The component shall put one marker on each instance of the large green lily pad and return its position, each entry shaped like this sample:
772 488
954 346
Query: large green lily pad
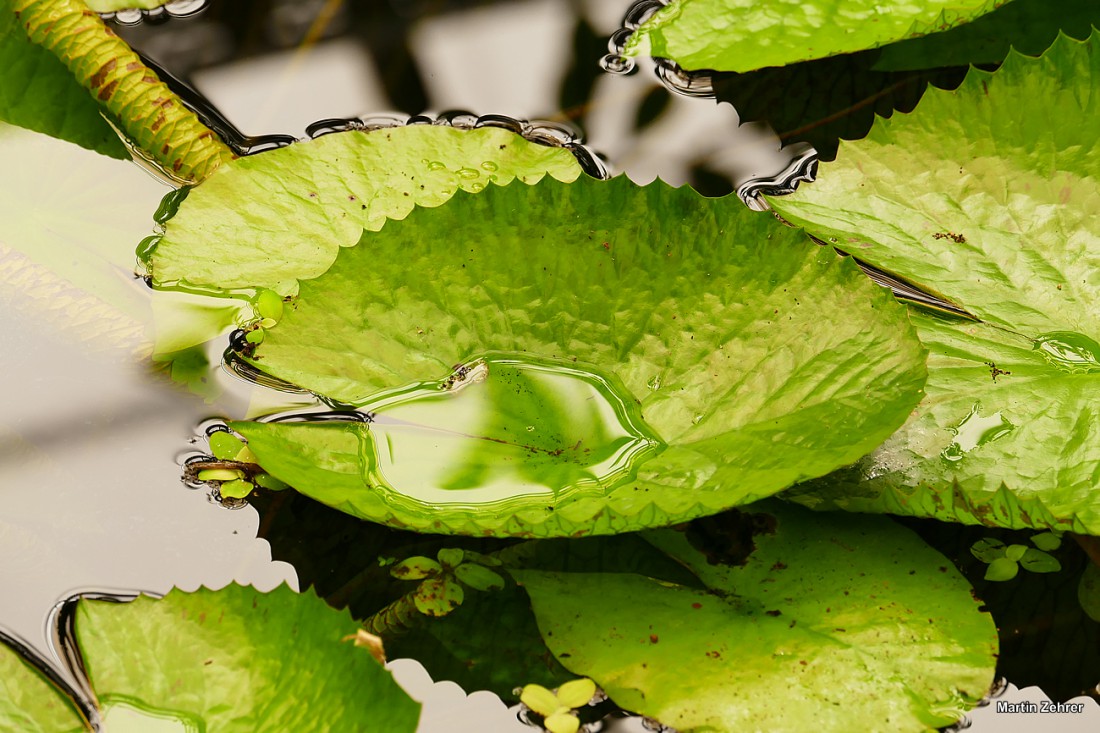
740 35
1029 26
266 220
39 93
229 660
987 196
830 622
824 100
239 660
705 343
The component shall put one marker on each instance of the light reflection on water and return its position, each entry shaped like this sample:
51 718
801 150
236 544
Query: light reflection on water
89 496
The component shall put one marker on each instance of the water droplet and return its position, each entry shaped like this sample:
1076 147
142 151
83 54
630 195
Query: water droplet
686 83
696 420
655 382
128 16
614 63
477 187
802 168
185 8
490 166
504 428
435 165
1069 351
640 12
975 431
468 173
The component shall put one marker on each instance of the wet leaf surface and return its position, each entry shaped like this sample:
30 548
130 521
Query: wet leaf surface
265 220
987 197
606 273
734 35
855 618
239 660
28 702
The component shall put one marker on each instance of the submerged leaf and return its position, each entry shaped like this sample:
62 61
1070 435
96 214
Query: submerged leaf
618 369
854 617
239 660
265 220
986 196
736 35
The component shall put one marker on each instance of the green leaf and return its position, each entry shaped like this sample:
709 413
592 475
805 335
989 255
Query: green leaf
415 568
656 314
450 557
144 108
438 596
237 489
1028 26
1015 552
853 616
988 549
1002 569
478 577
1047 541
562 722
540 699
29 703
111 6
224 445
735 35
1037 561
39 93
239 660
266 220
576 693
985 196
824 100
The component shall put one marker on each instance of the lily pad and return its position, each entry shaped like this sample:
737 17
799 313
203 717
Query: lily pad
39 93
1029 26
618 369
736 35
986 196
265 220
854 618
30 703
238 660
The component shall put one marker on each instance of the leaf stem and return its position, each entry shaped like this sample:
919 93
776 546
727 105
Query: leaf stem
149 116
396 619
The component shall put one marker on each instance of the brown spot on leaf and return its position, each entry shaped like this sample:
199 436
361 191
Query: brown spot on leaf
653 639
956 238
106 92
100 76
994 371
